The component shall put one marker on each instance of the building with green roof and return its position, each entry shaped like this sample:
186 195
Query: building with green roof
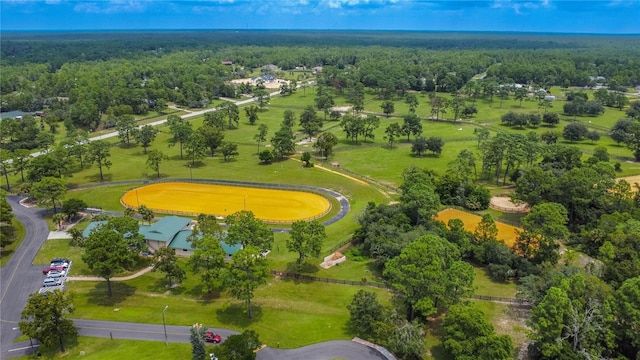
171 231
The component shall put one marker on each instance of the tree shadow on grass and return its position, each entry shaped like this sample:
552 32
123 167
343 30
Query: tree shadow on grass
95 178
100 293
305 268
53 352
236 315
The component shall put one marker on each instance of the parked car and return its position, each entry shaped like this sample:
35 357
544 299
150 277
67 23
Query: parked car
212 337
60 262
56 274
52 282
52 268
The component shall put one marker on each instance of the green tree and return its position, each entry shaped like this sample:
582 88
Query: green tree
49 192
419 146
20 162
263 98
543 226
252 113
6 166
392 132
261 135
99 153
208 256
145 136
407 340
429 275
353 127
166 261
412 100
366 313
283 142
434 144
245 229
486 229
229 150
7 230
196 147
180 131
154 159
325 143
45 318
310 122
71 207
247 271
212 136
198 347
411 126
575 131
550 119
58 219
240 347
625 305
467 335
419 199
266 156
306 159
145 213
306 239
125 125
107 253
388 107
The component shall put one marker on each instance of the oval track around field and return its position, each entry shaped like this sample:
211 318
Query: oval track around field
270 205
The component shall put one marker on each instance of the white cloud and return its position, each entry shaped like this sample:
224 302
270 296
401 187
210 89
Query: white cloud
112 6
624 3
517 6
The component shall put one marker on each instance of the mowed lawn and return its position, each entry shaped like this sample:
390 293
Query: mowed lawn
506 233
269 205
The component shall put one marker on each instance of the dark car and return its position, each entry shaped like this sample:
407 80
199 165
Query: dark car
212 337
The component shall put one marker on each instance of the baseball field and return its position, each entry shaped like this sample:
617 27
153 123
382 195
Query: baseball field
270 205
506 233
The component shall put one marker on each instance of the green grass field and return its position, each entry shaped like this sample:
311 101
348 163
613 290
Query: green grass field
289 312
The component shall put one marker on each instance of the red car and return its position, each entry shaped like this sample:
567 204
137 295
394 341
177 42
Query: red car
212 337
52 268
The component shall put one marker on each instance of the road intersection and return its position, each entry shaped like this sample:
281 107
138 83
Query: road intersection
19 278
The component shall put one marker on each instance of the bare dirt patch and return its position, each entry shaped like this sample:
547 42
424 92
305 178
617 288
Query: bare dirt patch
504 204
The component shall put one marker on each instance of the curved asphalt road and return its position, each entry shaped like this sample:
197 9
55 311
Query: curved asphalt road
19 278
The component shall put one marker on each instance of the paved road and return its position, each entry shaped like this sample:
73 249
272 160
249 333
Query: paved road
19 278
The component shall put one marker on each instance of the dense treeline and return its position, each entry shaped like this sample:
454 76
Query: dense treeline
58 48
578 312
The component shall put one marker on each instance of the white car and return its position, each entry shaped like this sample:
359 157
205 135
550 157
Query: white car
52 282
56 274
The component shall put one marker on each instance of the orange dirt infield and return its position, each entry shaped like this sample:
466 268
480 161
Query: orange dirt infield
269 205
506 233
632 180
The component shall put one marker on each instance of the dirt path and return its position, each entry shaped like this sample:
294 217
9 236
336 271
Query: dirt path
123 278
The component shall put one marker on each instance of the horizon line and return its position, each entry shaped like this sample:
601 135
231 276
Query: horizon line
319 29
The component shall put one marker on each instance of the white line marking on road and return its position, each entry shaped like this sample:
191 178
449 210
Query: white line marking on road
23 348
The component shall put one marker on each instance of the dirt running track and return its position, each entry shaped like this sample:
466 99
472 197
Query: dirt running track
270 205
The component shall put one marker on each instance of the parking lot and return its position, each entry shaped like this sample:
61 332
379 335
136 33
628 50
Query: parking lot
55 275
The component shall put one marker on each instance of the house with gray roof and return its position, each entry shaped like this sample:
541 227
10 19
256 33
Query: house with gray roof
171 231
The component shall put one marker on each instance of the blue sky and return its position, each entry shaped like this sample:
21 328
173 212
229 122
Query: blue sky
607 16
